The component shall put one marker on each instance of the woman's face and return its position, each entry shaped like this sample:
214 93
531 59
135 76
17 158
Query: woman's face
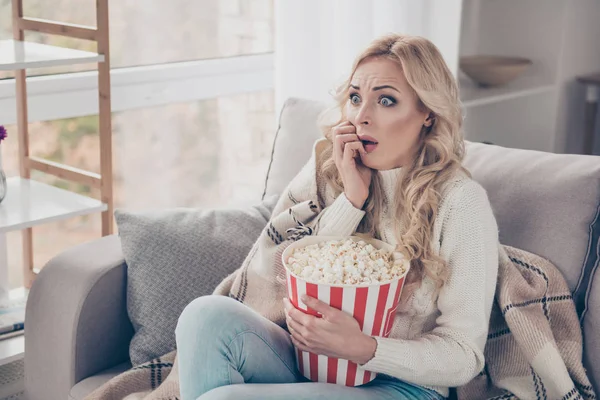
381 104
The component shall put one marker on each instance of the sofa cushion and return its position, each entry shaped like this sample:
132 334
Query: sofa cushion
176 255
545 202
293 142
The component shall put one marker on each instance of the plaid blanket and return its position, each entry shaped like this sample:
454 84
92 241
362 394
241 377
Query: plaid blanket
534 348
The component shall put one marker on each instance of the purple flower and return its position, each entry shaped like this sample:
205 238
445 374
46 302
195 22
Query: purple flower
3 133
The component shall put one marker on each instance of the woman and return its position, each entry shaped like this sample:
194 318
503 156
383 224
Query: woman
390 168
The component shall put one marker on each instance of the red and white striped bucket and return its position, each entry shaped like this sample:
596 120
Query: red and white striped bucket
373 306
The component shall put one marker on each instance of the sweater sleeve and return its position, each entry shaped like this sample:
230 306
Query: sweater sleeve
340 218
453 352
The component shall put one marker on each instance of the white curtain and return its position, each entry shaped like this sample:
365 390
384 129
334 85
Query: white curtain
317 40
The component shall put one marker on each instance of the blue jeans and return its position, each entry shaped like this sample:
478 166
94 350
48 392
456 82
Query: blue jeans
226 350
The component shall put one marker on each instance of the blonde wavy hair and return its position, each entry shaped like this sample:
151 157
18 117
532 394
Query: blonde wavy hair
438 159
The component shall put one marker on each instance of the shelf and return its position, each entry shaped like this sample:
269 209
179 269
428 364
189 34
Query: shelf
15 55
29 203
13 348
19 295
472 95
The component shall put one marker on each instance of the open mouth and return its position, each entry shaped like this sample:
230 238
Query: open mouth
369 145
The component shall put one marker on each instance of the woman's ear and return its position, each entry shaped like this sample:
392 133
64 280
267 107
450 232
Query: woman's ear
429 121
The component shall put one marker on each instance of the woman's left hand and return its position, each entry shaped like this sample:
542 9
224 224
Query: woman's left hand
336 334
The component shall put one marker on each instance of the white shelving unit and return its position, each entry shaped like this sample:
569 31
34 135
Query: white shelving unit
16 54
543 108
33 203
28 202
472 95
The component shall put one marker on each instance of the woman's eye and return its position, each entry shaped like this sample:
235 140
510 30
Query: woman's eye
354 98
387 101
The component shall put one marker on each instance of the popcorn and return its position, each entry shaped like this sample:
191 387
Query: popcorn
346 262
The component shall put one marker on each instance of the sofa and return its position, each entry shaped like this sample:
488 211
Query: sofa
78 328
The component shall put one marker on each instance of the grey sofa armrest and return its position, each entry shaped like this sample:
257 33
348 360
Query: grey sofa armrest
76 319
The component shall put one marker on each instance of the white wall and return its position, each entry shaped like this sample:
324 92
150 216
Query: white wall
317 40
581 55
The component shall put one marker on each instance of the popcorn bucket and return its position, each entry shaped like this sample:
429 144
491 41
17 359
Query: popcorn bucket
372 305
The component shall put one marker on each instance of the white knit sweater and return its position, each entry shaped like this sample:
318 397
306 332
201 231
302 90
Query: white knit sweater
436 343
439 343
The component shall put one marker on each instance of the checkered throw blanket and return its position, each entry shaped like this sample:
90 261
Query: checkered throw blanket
534 347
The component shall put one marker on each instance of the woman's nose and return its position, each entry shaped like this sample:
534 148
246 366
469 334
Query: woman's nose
363 116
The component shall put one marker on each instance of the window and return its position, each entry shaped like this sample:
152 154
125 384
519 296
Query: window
193 109
152 32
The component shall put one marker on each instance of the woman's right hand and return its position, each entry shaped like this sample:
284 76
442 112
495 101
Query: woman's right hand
347 152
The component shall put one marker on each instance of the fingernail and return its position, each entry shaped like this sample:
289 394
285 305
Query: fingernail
304 297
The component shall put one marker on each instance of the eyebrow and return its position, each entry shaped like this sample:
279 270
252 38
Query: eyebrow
378 87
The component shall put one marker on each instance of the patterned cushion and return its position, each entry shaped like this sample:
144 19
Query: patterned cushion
174 256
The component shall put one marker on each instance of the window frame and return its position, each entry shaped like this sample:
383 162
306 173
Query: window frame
73 95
